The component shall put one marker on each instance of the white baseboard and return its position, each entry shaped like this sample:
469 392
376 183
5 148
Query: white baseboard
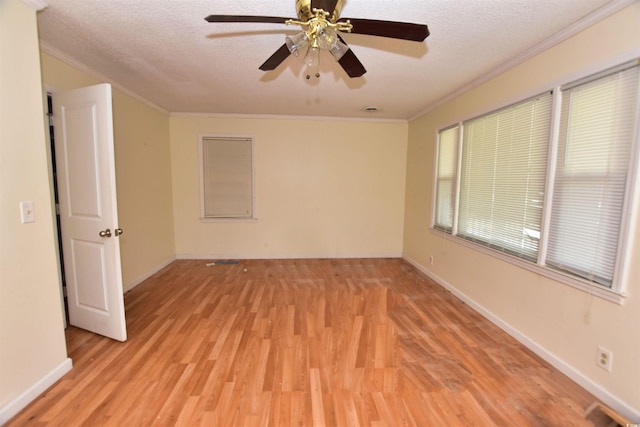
578 377
148 274
19 403
288 256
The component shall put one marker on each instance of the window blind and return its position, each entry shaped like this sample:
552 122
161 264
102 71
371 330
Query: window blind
227 177
446 178
596 132
503 175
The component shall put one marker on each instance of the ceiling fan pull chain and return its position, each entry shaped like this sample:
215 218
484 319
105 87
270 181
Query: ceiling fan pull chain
316 74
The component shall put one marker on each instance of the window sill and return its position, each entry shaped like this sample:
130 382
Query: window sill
611 295
228 220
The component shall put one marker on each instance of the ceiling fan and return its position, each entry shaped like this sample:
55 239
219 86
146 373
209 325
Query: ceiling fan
321 27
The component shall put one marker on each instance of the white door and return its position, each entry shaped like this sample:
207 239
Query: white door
83 133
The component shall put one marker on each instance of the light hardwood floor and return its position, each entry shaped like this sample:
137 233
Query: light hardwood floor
354 342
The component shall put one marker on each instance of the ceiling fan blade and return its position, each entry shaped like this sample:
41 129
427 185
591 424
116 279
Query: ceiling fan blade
392 29
351 64
246 18
276 59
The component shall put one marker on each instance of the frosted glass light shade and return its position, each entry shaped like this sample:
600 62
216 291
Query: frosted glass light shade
328 40
312 58
338 50
297 43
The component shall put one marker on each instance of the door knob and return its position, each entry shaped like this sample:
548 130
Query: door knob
118 231
105 233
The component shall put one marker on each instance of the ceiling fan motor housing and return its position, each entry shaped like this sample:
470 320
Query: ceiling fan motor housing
305 11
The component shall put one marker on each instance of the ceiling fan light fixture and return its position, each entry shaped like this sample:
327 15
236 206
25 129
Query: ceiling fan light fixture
322 26
338 50
327 37
312 57
328 40
297 43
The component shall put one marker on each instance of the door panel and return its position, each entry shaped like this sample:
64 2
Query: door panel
89 260
83 127
82 151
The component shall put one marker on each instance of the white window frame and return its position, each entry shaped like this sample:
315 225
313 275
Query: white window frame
226 137
454 180
508 241
617 292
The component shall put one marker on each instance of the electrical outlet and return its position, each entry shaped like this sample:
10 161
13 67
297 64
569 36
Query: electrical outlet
431 260
604 359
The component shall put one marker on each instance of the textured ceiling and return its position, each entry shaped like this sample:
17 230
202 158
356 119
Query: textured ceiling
166 53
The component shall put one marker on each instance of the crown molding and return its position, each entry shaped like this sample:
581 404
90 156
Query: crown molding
284 117
47 48
581 25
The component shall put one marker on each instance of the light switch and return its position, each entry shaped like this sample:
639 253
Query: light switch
26 212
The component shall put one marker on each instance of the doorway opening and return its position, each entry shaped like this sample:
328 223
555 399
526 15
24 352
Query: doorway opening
57 208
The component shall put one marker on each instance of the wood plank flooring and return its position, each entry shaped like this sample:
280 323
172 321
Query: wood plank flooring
353 342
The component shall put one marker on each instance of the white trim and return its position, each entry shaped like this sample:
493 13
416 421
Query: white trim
239 137
436 170
502 104
30 394
46 92
434 185
619 285
245 256
227 220
628 226
104 79
606 72
456 204
36 5
581 25
611 295
578 377
135 282
284 117
549 180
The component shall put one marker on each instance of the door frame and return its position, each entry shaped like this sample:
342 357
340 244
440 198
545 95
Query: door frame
48 113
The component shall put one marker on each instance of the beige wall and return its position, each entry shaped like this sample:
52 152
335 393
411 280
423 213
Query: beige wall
324 188
339 197
143 173
563 323
32 343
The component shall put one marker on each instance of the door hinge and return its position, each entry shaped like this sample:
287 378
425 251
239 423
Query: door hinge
50 118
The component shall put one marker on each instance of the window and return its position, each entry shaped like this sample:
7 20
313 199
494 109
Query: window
226 165
502 177
596 131
568 219
446 178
